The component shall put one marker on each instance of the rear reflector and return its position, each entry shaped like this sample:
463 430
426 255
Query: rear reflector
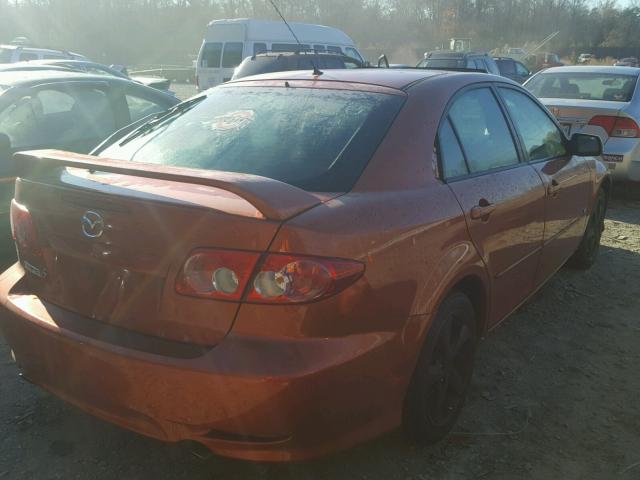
25 235
279 279
617 126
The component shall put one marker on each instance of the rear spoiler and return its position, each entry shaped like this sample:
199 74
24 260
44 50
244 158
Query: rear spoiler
274 199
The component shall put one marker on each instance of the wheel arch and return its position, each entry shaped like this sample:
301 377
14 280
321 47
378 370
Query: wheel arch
475 289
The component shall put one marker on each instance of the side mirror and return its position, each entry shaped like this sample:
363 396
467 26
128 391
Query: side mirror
583 145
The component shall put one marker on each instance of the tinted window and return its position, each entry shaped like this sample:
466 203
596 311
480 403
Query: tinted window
521 69
586 86
507 67
259 48
353 53
319 48
483 132
445 63
141 107
288 47
232 55
540 136
25 56
51 117
211 54
316 139
451 157
335 49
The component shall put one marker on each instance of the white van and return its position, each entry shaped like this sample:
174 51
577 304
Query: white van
228 42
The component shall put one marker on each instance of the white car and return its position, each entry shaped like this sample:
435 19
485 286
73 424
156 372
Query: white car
19 53
603 101
228 42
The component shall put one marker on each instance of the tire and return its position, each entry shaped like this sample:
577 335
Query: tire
442 376
587 253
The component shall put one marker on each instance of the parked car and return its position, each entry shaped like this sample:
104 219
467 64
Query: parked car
462 60
586 57
541 60
512 69
88 67
19 53
256 269
228 42
71 111
287 61
627 62
600 100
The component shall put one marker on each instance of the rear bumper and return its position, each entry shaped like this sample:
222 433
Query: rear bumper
628 149
249 398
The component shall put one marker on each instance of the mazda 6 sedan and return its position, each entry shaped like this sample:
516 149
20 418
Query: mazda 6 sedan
288 265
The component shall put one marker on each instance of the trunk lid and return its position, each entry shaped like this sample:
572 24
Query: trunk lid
574 114
114 243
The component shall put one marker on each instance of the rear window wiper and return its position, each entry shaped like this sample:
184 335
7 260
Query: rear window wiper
160 118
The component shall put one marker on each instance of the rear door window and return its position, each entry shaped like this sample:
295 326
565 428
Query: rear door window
451 156
232 54
320 48
331 48
74 118
211 55
140 107
483 132
541 137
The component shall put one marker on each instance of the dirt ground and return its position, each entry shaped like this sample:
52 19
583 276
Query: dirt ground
554 396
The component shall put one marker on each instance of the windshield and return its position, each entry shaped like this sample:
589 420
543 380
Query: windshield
315 139
442 63
584 86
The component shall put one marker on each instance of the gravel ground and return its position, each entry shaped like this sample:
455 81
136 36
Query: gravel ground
554 395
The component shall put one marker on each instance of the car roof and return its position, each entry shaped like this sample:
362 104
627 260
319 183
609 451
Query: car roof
395 78
453 54
27 78
594 69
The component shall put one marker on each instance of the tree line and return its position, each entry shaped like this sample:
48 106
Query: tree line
170 31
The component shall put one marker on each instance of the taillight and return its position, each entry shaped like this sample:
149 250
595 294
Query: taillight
221 274
24 231
617 126
279 279
296 279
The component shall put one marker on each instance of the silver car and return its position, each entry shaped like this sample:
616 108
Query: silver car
603 101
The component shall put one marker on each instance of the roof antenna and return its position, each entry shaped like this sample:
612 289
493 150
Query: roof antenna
316 71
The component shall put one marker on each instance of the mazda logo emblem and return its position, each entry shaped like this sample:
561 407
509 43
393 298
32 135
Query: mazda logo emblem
92 224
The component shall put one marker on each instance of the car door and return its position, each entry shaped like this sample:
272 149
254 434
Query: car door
501 196
567 179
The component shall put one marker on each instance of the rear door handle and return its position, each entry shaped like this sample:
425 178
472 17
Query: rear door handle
482 211
554 187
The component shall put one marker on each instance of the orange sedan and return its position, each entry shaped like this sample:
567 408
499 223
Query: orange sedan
287 265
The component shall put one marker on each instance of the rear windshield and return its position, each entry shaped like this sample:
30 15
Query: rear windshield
506 66
315 139
443 63
585 86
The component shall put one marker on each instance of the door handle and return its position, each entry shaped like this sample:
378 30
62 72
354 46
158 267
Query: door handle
482 210
554 187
